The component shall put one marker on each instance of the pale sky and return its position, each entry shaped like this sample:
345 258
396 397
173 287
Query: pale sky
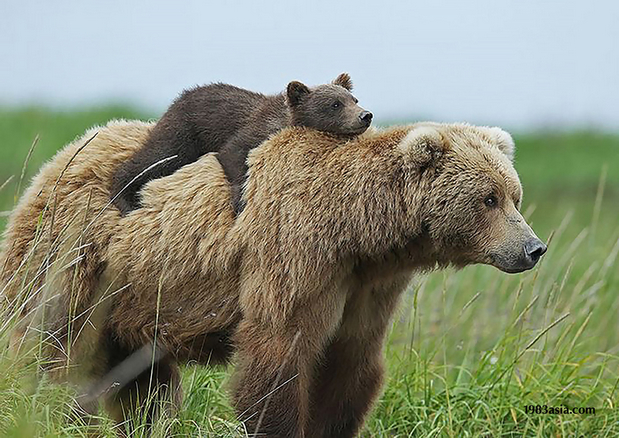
519 64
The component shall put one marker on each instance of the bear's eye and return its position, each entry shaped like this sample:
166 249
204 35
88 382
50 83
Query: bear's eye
491 201
336 104
355 100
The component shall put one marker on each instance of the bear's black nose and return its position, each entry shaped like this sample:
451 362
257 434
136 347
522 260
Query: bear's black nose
366 117
535 249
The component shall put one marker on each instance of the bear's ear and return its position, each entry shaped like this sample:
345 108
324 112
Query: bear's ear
343 80
422 147
503 141
296 92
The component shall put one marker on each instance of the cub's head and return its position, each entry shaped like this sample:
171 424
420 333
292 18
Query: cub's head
473 198
329 108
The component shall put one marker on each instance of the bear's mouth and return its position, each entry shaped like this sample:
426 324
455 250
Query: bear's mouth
514 270
350 134
512 266
359 130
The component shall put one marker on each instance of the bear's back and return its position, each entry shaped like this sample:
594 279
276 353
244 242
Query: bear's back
79 174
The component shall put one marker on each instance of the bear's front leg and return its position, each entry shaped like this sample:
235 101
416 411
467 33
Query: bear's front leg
346 384
272 380
349 378
276 362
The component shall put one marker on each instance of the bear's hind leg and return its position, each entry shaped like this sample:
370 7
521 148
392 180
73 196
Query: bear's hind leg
141 387
155 394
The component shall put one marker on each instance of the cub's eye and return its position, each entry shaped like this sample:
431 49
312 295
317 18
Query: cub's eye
355 100
491 201
336 104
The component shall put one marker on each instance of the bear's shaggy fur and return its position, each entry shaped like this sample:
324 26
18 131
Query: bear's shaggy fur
232 121
302 285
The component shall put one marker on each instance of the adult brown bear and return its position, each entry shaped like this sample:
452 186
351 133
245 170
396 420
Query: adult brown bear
301 285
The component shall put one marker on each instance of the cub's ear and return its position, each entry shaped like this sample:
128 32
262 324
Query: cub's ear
422 147
503 141
296 92
343 80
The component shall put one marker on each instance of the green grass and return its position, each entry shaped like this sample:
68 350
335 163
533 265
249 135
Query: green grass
468 349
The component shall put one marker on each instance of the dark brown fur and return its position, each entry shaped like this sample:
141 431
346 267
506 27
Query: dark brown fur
232 121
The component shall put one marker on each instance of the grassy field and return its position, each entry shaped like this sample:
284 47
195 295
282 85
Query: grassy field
468 351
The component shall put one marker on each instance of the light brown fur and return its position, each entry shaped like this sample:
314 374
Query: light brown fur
51 259
306 279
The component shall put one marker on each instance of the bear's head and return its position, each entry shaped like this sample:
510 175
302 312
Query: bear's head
471 208
329 108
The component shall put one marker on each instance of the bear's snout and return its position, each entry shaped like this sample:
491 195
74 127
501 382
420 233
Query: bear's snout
366 117
520 249
520 258
534 249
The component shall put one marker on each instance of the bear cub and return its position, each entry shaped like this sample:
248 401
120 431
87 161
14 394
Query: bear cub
231 121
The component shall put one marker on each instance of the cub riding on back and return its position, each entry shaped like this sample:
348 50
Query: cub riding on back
231 121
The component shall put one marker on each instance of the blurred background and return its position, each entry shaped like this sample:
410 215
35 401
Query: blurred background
546 71
520 64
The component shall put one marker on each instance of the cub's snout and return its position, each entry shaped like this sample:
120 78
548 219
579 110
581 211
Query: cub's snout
366 117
